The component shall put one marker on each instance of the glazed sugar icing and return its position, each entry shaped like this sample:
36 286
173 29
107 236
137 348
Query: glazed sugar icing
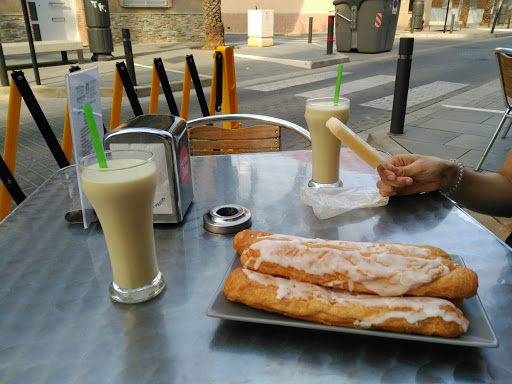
382 268
412 309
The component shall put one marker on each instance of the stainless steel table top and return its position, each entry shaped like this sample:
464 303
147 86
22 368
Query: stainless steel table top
58 324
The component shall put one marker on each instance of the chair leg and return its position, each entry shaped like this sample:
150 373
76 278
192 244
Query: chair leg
507 128
493 139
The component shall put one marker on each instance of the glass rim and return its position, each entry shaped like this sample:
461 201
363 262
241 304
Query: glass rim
93 155
313 100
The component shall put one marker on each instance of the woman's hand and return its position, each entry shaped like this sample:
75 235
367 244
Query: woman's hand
410 174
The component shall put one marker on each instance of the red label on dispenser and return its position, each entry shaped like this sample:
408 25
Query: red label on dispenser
184 166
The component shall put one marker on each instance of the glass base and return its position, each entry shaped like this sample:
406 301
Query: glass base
314 184
137 295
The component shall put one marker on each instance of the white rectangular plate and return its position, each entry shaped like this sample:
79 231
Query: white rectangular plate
479 334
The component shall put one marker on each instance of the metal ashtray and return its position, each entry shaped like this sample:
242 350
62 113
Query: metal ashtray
228 218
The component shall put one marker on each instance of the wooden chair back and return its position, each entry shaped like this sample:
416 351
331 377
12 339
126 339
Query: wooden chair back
504 60
211 140
264 136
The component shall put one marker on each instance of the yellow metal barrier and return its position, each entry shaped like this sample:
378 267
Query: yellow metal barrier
155 91
229 98
67 140
211 105
10 144
117 101
229 106
185 98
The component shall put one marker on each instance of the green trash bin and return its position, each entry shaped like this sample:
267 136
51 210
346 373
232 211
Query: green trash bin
366 26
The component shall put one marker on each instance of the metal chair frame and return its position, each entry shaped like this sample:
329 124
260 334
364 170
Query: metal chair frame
205 139
504 61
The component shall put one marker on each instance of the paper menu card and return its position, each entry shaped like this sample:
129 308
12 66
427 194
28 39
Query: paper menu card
83 87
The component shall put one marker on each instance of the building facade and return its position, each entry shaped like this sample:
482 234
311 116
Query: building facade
292 16
153 21
148 20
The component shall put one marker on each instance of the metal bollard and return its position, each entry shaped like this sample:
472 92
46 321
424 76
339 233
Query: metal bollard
403 74
3 69
33 56
127 42
330 35
508 22
496 16
453 22
418 8
446 17
310 30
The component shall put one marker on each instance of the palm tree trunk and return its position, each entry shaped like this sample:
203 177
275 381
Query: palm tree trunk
464 13
486 18
213 26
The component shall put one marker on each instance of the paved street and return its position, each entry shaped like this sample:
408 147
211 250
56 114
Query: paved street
454 101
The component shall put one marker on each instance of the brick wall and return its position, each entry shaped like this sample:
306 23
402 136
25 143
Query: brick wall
12 28
158 28
144 28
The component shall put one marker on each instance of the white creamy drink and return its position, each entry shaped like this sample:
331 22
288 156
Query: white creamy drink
325 146
122 196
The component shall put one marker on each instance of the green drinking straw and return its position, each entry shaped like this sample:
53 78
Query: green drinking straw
96 141
338 84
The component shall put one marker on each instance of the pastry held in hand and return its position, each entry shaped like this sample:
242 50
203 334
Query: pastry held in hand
422 315
360 147
383 269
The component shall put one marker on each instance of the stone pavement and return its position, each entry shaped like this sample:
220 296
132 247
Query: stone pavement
437 32
456 127
290 51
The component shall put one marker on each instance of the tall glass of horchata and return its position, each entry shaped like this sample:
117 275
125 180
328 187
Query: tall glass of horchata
325 146
122 196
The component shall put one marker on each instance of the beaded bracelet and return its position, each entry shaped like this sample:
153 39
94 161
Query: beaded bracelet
460 177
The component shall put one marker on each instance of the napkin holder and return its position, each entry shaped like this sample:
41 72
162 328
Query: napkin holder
165 136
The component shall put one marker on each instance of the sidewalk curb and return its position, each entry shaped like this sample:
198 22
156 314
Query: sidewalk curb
441 35
308 64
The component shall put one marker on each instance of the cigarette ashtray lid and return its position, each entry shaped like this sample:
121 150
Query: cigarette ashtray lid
227 218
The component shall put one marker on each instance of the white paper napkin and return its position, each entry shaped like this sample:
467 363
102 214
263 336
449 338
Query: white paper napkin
330 202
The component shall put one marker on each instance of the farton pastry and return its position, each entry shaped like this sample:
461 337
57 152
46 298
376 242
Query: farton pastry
244 239
383 269
421 315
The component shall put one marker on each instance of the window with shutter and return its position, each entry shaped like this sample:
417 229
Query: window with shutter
146 3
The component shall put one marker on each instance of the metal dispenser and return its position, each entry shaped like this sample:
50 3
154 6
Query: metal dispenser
165 136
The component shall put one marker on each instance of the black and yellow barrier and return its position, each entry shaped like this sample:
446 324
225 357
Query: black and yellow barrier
67 139
223 78
159 77
122 81
228 83
20 90
223 98
10 146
